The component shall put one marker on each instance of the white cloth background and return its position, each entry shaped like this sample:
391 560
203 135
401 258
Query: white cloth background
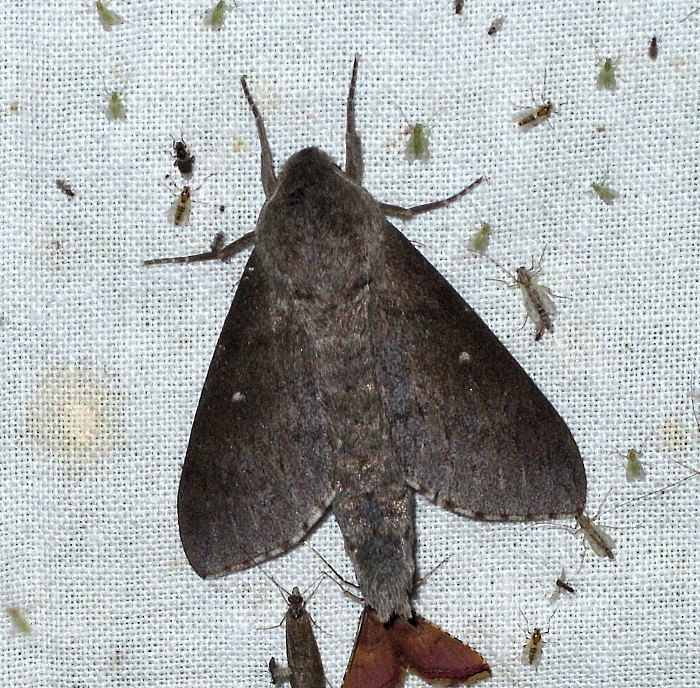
105 359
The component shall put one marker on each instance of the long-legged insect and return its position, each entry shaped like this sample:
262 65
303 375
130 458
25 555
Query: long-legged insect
529 118
561 585
537 299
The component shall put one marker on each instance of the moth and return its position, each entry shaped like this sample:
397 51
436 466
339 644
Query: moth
495 26
653 48
348 375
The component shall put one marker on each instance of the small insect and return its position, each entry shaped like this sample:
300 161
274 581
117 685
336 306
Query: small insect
108 18
495 27
184 161
115 105
215 17
606 77
530 117
479 241
634 468
600 542
305 669
653 48
532 650
222 208
459 6
19 621
65 188
561 586
179 211
537 299
604 192
417 146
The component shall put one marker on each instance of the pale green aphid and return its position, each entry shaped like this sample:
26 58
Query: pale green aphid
606 77
480 239
417 145
108 18
19 621
115 106
216 15
634 468
606 194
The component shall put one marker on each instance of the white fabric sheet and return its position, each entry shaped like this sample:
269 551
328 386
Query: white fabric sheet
105 359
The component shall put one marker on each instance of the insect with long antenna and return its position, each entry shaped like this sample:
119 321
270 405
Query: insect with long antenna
115 103
537 299
634 468
215 17
539 112
532 650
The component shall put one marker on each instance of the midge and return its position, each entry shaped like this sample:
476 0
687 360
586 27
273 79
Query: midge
537 299
350 375
530 117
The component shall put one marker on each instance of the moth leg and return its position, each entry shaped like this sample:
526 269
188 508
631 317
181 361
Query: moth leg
267 166
409 213
218 251
354 167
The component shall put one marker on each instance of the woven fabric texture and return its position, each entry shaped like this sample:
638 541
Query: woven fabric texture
104 359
